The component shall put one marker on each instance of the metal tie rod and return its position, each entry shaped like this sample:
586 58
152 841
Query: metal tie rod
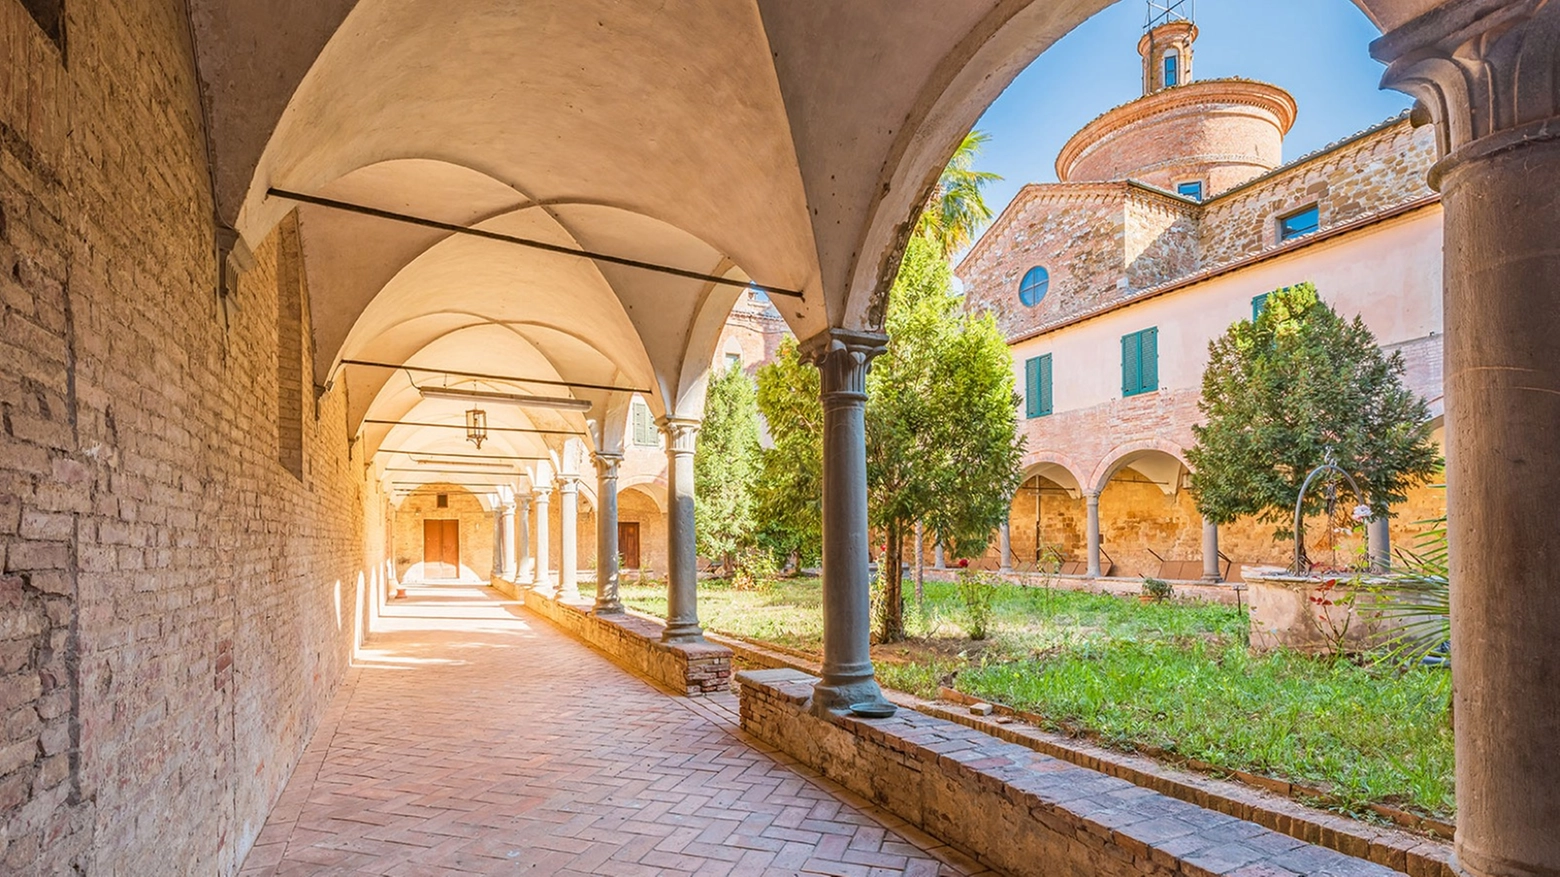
523 242
454 454
365 363
463 426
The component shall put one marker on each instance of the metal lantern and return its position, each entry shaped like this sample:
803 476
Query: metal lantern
476 426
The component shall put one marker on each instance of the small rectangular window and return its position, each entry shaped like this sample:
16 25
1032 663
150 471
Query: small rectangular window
441 501
1192 190
1257 304
1037 386
733 360
644 426
1170 70
1140 362
1301 222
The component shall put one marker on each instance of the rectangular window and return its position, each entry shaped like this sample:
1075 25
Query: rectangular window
645 435
1299 223
1037 386
1192 190
1257 304
441 500
733 360
1140 362
1170 71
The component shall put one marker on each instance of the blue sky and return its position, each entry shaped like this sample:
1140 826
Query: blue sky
1315 49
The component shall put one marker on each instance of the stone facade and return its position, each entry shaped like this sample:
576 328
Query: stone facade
179 602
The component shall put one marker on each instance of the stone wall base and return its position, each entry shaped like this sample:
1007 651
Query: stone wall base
1015 809
634 643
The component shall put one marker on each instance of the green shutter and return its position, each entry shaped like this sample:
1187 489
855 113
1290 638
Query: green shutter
1257 304
1032 387
1150 360
1045 384
1131 364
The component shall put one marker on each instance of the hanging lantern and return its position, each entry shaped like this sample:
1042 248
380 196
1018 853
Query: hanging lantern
476 426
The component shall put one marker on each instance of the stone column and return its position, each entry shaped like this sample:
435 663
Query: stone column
1092 502
544 582
842 359
522 537
1210 552
1484 72
1005 547
607 601
498 539
506 540
682 560
1378 543
568 538
938 561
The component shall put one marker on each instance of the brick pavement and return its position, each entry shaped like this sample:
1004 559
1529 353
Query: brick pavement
473 738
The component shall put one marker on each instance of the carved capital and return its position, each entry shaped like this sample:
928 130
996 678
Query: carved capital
543 493
568 484
607 465
843 358
1483 70
681 434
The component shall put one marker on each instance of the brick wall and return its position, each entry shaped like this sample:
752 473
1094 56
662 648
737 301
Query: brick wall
634 643
1364 176
178 607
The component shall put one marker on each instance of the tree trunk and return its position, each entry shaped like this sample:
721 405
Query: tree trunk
892 565
920 563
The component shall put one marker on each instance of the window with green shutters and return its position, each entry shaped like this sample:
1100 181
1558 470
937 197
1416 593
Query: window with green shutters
1257 304
1037 386
1140 362
645 435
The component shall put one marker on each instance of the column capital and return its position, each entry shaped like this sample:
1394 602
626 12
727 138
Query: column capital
568 484
681 433
1483 72
607 465
843 358
542 492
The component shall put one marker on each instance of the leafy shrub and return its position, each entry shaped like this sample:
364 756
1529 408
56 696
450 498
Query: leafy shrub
755 570
977 601
1159 589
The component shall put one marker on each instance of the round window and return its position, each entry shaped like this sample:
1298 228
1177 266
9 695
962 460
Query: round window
1034 285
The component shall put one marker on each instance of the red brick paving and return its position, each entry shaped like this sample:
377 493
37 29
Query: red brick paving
473 738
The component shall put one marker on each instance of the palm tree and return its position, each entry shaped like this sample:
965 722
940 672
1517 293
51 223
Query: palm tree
955 211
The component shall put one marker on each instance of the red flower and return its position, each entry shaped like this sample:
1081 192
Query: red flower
964 562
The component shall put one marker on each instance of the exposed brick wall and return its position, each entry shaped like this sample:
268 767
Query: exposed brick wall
1365 176
1076 232
178 606
1221 144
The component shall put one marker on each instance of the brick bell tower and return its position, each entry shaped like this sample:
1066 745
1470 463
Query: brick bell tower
1166 45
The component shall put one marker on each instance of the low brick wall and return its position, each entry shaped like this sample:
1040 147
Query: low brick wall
1016 809
634 643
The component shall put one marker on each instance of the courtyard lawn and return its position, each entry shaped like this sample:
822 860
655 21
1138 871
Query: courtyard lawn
1172 676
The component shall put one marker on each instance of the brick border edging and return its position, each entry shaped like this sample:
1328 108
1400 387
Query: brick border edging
1249 797
1040 814
633 642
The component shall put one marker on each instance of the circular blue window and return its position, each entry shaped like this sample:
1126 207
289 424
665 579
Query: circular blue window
1034 285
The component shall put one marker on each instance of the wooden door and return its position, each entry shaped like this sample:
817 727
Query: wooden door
441 549
628 543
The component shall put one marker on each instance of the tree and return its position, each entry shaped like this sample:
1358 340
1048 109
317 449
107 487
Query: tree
725 467
789 493
955 211
1283 391
942 441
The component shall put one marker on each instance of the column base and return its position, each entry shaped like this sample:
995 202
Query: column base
608 607
568 594
839 695
683 632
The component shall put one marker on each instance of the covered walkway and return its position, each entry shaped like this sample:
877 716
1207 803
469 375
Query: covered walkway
473 738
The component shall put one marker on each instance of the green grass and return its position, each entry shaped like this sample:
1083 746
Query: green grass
1175 676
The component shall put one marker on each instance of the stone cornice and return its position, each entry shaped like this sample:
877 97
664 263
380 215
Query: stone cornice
1485 72
1245 92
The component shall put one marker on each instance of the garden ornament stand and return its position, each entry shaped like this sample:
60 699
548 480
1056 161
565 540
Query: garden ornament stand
1302 564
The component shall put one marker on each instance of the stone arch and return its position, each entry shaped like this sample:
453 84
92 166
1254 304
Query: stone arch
1125 454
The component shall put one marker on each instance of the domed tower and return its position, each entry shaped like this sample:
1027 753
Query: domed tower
1196 138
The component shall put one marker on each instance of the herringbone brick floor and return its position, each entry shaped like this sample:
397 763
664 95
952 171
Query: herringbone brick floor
473 738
